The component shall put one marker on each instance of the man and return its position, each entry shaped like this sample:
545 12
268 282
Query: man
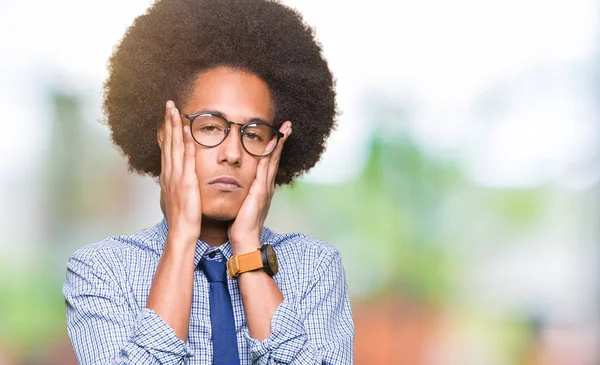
237 77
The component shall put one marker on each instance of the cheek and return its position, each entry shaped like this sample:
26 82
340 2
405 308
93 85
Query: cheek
250 168
202 163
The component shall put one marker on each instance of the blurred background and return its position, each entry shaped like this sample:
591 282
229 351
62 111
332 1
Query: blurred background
462 186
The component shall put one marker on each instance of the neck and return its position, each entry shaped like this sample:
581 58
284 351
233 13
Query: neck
214 232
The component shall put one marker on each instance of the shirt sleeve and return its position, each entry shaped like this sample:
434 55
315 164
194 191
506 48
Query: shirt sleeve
105 329
317 330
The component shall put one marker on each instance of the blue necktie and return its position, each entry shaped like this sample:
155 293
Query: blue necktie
225 351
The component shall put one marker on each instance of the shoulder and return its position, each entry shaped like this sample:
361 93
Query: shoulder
299 242
119 248
114 265
302 250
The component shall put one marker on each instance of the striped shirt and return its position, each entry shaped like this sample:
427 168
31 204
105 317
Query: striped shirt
107 284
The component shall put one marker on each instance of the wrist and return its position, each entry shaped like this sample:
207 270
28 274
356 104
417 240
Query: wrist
182 229
183 240
263 258
242 246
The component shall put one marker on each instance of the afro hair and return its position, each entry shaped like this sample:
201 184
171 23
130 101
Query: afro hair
165 49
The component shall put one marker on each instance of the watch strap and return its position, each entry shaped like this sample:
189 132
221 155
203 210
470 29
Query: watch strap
240 264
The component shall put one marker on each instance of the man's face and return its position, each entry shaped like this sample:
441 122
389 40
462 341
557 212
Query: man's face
239 97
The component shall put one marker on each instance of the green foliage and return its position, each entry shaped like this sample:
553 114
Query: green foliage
520 208
35 306
388 220
403 224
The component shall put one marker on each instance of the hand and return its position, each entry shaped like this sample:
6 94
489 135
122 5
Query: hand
244 232
180 193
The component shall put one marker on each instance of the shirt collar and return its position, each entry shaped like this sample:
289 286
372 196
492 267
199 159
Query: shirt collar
202 247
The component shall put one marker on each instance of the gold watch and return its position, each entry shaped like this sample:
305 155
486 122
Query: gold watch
263 258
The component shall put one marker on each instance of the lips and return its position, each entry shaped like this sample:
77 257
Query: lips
227 183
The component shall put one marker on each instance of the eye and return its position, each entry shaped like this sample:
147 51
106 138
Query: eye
209 128
253 136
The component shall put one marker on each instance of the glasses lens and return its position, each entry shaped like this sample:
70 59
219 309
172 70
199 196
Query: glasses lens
209 130
256 137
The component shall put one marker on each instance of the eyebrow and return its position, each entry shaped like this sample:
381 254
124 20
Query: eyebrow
216 112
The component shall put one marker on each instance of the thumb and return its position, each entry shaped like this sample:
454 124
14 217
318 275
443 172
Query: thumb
229 228
162 203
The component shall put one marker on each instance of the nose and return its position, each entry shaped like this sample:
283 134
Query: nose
231 147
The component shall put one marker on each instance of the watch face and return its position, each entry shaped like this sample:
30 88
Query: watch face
271 259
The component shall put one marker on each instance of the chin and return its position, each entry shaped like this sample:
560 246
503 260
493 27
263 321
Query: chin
222 212
218 217
221 207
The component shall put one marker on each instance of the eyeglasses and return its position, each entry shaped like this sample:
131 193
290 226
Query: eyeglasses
210 129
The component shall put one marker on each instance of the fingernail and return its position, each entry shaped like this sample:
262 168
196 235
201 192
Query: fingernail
170 104
173 112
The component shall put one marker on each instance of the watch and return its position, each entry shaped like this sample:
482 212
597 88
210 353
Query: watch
263 258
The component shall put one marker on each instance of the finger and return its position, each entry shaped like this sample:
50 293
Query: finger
166 149
263 163
160 137
262 169
286 129
177 148
189 155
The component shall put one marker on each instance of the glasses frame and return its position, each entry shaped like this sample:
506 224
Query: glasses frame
275 128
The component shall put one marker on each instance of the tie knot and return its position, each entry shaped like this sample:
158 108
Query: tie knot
214 270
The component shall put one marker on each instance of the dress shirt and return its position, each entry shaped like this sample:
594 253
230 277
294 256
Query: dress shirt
107 285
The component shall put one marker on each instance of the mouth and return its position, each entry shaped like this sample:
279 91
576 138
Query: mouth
226 183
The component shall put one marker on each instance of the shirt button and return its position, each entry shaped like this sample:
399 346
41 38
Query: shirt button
212 254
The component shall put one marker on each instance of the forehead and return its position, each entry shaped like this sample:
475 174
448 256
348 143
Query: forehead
239 95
